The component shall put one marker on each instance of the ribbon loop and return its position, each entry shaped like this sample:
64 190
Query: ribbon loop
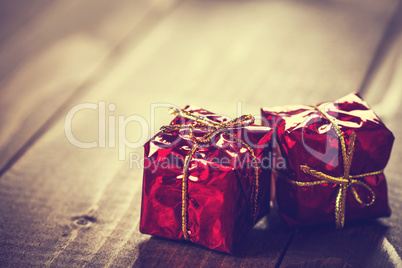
212 129
356 195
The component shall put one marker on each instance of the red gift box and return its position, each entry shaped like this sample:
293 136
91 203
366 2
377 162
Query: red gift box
334 155
204 179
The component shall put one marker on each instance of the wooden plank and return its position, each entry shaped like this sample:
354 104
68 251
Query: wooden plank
15 14
375 243
68 206
107 22
51 59
387 80
360 244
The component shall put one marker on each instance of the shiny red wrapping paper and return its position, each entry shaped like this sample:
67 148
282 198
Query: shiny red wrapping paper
306 137
220 184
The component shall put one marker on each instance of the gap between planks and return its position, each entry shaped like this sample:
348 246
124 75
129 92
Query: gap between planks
384 66
140 30
391 33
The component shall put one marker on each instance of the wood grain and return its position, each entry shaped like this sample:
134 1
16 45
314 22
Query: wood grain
376 243
52 60
13 16
387 80
66 206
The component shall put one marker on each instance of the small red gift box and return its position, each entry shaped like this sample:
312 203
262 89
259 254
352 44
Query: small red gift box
334 156
204 179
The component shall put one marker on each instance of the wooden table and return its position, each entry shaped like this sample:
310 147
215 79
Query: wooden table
61 205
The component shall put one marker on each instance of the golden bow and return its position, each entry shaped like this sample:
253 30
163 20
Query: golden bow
346 181
212 128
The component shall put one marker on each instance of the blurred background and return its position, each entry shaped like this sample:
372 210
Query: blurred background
139 57
216 54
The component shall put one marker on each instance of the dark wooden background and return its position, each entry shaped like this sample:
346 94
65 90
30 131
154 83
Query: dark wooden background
64 206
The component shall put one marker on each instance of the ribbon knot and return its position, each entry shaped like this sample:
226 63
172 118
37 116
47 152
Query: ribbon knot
212 129
346 181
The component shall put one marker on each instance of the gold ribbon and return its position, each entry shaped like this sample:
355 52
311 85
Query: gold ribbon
212 128
346 181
